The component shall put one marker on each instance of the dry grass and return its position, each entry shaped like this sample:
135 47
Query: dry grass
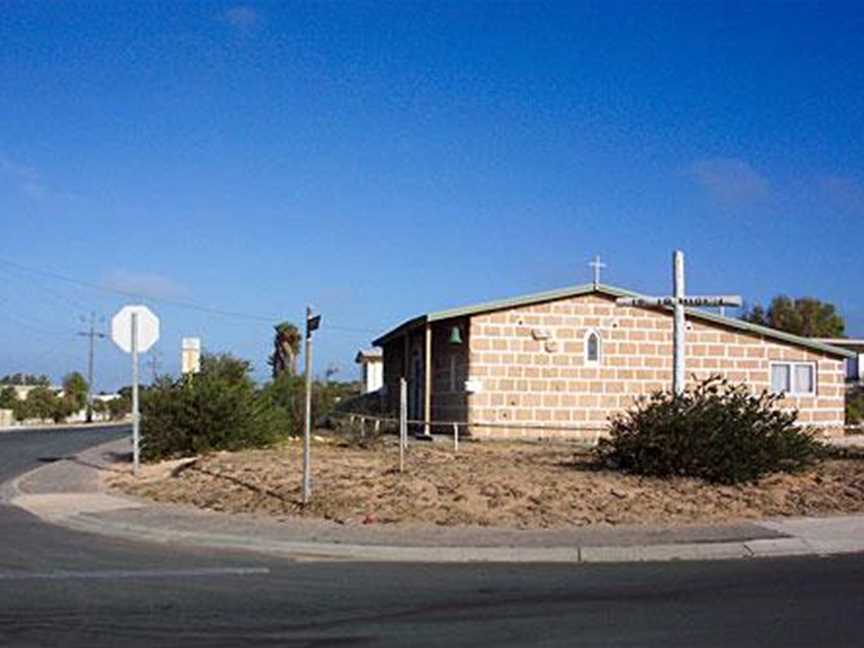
518 485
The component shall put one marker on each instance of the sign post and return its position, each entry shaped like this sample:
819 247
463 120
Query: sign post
679 301
403 422
135 329
312 323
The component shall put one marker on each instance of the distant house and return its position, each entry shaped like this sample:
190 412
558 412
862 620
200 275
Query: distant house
559 363
21 391
371 366
855 364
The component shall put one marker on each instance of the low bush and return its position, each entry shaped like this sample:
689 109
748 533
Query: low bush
217 409
717 431
289 393
119 408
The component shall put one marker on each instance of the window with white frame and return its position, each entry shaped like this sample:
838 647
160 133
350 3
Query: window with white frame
592 347
793 378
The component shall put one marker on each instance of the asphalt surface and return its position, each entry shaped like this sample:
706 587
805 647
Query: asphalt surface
61 588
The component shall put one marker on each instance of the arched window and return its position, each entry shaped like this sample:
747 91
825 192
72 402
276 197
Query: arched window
592 347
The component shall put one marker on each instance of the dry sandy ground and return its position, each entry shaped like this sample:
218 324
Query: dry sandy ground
521 485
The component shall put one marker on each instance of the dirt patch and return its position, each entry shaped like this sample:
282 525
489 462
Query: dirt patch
521 485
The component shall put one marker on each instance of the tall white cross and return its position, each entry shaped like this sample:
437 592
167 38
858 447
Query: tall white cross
679 300
597 265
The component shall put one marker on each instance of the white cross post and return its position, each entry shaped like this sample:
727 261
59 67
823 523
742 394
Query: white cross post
678 301
597 265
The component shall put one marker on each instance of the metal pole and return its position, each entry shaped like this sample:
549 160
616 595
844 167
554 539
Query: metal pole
89 417
307 428
135 414
427 383
403 421
455 437
678 378
92 334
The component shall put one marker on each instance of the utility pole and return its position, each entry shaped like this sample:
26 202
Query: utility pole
92 334
153 363
312 323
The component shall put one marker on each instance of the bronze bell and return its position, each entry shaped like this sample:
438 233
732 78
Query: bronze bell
455 335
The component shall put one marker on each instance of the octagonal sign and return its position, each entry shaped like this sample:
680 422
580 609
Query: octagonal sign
147 325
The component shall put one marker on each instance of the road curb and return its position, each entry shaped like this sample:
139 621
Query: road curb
803 537
385 553
753 549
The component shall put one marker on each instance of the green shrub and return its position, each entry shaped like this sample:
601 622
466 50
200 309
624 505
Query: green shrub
118 408
855 406
217 409
718 431
8 398
41 403
288 392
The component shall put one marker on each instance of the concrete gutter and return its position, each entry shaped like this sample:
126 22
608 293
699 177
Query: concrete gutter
72 495
64 426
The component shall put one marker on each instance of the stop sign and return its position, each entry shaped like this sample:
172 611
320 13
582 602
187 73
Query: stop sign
147 325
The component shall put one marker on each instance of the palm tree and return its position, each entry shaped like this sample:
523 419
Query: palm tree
286 348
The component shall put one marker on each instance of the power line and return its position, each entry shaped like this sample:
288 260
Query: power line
268 319
138 295
28 325
56 293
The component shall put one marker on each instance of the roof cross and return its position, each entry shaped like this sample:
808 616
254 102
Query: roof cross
597 265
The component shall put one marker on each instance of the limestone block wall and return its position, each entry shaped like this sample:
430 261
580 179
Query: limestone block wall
530 364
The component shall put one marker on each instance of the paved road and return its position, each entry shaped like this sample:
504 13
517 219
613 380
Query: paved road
59 588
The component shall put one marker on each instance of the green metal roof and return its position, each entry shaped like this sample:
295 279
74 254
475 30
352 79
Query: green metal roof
612 291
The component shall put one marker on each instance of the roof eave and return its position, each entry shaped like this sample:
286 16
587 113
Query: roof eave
612 291
403 328
767 331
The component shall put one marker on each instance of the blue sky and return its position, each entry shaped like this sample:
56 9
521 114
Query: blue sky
381 160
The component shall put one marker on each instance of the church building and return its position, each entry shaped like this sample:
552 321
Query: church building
559 363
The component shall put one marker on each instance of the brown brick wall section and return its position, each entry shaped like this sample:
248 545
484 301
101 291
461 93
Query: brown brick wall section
533 379
450 371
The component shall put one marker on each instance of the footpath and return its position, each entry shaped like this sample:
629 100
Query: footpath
72 492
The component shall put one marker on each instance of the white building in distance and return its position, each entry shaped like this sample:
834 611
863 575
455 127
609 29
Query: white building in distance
371 363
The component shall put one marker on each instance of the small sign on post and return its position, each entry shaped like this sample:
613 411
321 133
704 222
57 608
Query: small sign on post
191 355
135 329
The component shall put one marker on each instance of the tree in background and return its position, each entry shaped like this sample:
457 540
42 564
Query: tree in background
288 393
8 398
25 379
286 349
41 403
226 367
805 316
119 407
75 390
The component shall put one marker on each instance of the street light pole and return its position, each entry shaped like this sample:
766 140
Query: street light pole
92 334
